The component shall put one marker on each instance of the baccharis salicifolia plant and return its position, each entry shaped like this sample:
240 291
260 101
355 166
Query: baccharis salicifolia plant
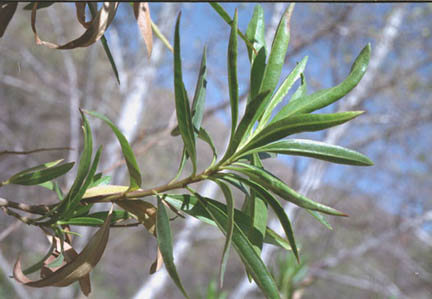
257 134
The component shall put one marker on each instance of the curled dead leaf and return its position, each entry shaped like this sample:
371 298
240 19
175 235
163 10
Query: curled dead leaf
144 211
77 266
157 263
97 27
80 12
142 14
7 10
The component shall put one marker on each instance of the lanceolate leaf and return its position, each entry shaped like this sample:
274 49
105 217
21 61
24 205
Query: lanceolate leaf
297 124
274 184
225 16
204 136
255 31
232 74
132 165
198 103
315 149
96 219
183 159
257 73
321 219
189 204
75 200
282 91
6 13
244 248
40 174
83 167
93 10
229 228
164 238
277 53
77 268
278 209
184 116
254 109
325 97
301 90
258 212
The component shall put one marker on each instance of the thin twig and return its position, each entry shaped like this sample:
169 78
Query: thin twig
35 151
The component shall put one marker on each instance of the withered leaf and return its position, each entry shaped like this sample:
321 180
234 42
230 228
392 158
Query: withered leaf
144 211
142 14
80 12
157 263
94 32
7 10
69 255
78 266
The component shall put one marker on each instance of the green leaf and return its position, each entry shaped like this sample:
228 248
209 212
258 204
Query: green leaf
164 239
257 73
254 109
184 157
39 264
301 90
189 205
297 124
204 135
225 16
282 91
107 50
328 96
278 52
134 172
98 179
40 5
183 112
232 74
40 174
315 149
274 184
255 31
200 93
229 228
95 219
258 213
321 219
279 211
84 164
244 248
74 201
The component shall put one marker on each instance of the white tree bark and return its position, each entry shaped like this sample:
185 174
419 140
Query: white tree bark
313 175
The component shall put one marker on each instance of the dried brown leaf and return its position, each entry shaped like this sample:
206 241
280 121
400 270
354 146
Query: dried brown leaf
80 12
142 14
144 211
69 255
94 32
78 266
157 263
7 10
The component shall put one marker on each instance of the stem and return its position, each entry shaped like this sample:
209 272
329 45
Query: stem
36 209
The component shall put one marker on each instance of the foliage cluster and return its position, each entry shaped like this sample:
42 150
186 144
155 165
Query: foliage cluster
259 134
